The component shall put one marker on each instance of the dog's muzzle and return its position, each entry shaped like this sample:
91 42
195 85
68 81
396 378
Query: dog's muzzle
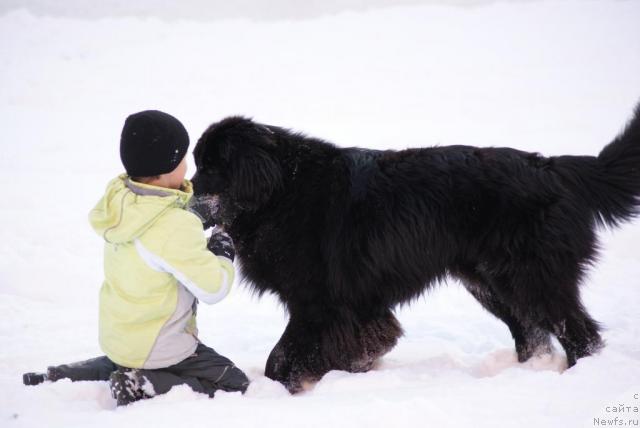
206 207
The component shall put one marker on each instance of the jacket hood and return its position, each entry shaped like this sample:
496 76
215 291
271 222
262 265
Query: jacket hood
129 208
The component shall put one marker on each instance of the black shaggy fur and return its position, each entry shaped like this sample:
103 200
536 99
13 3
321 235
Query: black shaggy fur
342 236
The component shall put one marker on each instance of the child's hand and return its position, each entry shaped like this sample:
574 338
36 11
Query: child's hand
221 244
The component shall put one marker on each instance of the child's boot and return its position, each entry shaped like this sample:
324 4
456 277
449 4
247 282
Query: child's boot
125 386
34 378
53 374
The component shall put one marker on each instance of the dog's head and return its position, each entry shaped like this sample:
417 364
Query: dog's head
236 161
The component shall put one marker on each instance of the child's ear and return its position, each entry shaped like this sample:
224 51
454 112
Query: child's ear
255 176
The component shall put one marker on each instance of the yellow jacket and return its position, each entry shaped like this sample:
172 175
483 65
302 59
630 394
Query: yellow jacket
156 267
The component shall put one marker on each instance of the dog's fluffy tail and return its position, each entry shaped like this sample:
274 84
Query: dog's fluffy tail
617 192
609 184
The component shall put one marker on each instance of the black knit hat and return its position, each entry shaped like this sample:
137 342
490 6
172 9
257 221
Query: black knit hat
152 143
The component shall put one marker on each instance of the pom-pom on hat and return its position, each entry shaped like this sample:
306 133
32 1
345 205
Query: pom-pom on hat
152 143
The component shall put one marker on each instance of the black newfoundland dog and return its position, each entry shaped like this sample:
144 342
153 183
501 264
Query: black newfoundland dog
342 236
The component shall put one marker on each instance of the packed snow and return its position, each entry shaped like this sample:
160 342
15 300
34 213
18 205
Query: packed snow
557 77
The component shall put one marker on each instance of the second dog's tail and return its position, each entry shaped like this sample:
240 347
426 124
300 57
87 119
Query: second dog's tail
617 187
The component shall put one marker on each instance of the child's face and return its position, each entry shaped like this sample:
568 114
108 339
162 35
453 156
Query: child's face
170 180
175 178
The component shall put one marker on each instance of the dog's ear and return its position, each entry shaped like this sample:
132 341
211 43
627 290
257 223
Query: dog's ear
255 176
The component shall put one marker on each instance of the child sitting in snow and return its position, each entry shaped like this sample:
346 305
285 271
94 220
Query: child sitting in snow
157 265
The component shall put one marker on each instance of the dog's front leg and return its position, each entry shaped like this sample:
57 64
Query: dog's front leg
330 339
296 359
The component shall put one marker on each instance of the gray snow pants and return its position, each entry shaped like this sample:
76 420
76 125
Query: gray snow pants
205 371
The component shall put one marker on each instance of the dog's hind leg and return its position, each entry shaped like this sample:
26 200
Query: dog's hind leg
551 299
530 338
546 287
576 331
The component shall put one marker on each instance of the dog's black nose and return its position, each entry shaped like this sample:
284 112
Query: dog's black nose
195 180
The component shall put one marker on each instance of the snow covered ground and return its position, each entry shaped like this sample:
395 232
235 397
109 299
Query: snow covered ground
555 77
